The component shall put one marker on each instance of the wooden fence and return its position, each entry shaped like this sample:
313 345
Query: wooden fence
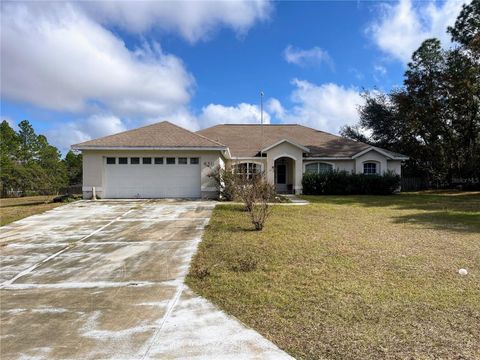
414 183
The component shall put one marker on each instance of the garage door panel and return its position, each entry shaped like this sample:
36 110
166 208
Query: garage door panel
152 181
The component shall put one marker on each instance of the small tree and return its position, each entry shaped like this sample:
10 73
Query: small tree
256 193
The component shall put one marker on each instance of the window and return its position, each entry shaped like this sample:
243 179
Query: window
194 161
247 169
123 160
369 168
158 161
146 161
135 161
170 161
182 160
111 161
318 168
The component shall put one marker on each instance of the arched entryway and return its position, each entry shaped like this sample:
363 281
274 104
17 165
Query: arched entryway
284 170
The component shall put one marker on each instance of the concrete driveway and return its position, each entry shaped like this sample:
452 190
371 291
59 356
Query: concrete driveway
97 280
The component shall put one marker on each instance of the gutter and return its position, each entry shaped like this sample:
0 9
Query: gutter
80 147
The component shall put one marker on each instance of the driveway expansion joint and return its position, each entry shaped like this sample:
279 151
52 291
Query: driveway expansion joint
69 246
115 290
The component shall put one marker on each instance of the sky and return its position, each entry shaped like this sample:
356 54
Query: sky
84 69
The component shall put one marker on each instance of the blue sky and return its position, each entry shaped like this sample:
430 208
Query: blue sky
82 70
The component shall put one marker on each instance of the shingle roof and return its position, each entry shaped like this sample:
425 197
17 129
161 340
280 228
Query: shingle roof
162 134
391 153
246 140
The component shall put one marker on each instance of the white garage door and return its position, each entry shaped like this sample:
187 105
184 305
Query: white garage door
131 180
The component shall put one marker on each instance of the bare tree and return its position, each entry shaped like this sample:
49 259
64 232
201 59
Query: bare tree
256 193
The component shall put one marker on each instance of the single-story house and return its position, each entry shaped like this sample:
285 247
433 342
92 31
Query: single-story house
165 160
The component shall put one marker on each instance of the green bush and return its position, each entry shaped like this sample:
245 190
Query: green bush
224 182
344 183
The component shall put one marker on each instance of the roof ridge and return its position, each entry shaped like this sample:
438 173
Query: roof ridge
154 125
310 128
195 133
240 124
337 136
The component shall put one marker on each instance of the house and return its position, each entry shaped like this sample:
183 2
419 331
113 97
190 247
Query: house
165 160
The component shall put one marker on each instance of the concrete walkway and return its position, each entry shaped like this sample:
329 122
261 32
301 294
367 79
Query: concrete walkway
104 280
295 200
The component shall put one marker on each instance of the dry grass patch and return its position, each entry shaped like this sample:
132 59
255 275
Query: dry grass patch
13 209
352 277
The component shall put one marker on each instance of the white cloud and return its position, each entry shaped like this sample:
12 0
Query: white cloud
240 114
182 117
379 72
59 59
380 69
66 134
403 26
325 107
275 107
309 57
193 20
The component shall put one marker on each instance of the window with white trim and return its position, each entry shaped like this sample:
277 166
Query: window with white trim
318 167
369 168
247 169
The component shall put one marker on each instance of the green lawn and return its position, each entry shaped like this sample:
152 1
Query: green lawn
13 209
352 277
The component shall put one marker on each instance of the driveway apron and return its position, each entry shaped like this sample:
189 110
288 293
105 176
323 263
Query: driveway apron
105 280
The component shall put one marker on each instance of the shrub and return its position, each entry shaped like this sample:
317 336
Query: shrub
344 183
224 182
256 193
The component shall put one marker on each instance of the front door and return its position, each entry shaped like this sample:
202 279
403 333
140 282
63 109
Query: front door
281 177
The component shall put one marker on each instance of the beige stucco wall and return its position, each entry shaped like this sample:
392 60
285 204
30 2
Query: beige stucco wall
345 165
371 156
94 176
286 149
92 173
395 166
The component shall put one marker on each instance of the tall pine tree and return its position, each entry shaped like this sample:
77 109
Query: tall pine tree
435 117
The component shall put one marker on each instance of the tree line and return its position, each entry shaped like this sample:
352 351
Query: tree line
434 118
30 165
